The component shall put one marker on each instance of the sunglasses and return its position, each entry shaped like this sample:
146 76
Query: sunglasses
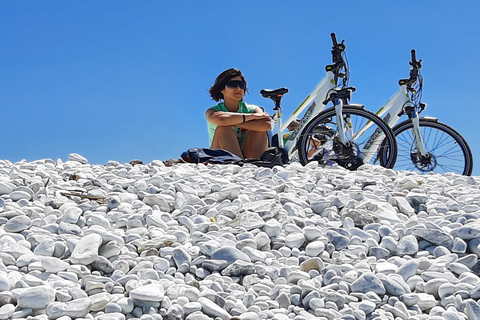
236 84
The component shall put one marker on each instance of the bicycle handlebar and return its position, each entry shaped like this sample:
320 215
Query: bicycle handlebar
339 66
417 65
334 39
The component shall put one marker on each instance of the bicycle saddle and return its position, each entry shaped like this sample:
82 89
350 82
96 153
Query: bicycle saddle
273 93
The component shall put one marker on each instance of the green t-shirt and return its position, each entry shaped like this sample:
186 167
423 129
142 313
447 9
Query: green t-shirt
243 108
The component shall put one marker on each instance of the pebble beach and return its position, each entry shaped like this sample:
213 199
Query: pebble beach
208 241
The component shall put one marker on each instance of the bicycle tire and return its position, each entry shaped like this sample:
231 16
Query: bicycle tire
450 151
330 151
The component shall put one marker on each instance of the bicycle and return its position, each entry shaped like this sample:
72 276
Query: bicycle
424 143
345 134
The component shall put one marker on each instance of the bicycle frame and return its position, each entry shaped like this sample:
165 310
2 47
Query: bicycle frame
326 90
315 102
401 103
313 107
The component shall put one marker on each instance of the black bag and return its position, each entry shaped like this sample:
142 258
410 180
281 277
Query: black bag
271 157
204 155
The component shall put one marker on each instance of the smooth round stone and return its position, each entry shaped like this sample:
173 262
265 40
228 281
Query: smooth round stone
262 239
6 311
230 254
54 265
208 247
440 251
109 250
45 248
295 240
392 287
314 248
272 228
36 297
468 232
99 301
5 188
212 309
181 256
18 224
297 275
86 250
149 292
71 214
126 304
472 309
368 282
445 290
19 195
431 286
459 246
254 254
312 233
251 316
4 282
458 268
339 241
74 309
434 236
407 245
77 157
113 308
191 307
238 268
426 301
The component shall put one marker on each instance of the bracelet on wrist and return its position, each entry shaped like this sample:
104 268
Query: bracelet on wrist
244 118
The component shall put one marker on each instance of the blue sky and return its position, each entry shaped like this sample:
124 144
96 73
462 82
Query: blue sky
123 80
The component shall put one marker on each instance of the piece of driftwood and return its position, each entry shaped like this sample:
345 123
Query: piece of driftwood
99 199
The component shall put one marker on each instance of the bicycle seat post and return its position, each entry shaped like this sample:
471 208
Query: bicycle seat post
276 95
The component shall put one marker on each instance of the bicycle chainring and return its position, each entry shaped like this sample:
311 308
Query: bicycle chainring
347 154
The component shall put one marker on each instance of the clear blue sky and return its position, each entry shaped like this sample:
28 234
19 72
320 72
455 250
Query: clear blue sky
123 80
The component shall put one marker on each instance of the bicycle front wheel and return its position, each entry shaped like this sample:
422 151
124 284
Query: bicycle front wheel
447 149
368 137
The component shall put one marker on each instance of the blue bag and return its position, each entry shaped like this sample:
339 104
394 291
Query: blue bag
204 155
273 156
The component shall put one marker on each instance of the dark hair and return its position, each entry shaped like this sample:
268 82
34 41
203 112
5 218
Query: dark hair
227 75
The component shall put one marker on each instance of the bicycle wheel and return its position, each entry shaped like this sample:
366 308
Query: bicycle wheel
447 149
368 137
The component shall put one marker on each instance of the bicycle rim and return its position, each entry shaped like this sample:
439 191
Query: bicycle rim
368 137
448 150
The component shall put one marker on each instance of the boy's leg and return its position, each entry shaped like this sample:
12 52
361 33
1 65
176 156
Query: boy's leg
255 144
225 138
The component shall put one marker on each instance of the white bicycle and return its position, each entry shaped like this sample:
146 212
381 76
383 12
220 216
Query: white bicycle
345 134
424 144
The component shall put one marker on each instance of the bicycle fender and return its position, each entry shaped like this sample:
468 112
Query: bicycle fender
354 105
428 119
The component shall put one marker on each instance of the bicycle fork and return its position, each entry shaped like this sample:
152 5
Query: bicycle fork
347 147
341 121
423 155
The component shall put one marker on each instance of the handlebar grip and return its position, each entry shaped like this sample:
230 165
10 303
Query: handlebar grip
414 57
334 39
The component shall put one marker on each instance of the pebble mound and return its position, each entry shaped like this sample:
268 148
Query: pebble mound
194 241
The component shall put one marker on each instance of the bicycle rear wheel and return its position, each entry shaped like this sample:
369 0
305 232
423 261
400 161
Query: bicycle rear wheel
448 150
368 137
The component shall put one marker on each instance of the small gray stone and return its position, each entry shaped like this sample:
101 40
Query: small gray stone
230 254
